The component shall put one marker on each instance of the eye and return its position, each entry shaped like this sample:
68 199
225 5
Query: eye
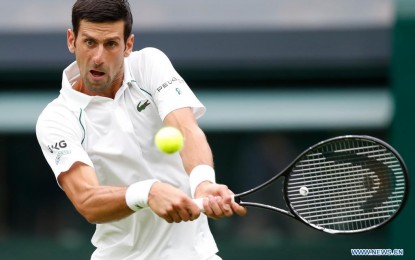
112 44
89 42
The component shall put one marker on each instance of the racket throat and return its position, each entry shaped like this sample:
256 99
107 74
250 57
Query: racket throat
236 199
267 207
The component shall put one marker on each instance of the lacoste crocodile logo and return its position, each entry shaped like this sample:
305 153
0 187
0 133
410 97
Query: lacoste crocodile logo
141 107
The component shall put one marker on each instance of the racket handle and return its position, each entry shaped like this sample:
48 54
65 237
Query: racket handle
199 202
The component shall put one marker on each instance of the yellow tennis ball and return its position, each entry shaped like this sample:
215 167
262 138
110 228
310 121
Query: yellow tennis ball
169 140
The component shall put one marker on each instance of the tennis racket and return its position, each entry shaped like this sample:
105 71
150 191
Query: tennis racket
346 184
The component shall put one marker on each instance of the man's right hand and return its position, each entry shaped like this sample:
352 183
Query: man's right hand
172 204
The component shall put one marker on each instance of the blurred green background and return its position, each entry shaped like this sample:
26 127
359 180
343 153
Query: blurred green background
276 76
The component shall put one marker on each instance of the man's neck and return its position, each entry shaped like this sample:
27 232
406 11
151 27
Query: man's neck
81 87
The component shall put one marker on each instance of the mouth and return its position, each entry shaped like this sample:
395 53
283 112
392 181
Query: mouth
97 74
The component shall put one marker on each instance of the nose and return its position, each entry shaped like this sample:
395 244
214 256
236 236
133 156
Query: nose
98 55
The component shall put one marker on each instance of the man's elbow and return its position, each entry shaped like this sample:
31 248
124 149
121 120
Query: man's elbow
88 214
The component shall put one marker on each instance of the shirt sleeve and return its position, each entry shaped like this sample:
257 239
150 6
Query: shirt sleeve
168 89
60 136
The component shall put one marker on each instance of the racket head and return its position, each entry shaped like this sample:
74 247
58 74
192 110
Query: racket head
347 184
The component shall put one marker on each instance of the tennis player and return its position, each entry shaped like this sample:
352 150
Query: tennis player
97 137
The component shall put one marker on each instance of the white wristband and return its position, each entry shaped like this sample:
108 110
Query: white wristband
136 196
200 174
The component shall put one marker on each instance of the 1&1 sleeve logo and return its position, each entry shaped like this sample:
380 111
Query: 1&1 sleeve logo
59 148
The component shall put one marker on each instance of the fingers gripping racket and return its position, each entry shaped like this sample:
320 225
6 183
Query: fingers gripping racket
346 184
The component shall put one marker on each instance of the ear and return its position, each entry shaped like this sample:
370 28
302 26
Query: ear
129 45
71 40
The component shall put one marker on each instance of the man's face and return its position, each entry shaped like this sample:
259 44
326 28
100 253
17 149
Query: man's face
100 50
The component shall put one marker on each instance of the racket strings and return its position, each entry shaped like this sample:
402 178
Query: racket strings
337 184
352 185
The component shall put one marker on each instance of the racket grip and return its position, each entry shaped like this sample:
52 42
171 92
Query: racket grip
199 202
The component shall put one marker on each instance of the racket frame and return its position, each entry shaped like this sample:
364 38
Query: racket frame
292 213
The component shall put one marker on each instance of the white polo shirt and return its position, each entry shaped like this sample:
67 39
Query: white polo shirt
115 137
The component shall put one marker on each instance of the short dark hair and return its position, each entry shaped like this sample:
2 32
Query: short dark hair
102 11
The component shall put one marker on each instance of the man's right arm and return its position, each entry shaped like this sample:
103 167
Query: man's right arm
97 204
100 204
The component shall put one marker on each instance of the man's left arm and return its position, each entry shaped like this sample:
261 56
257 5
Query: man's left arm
196 153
